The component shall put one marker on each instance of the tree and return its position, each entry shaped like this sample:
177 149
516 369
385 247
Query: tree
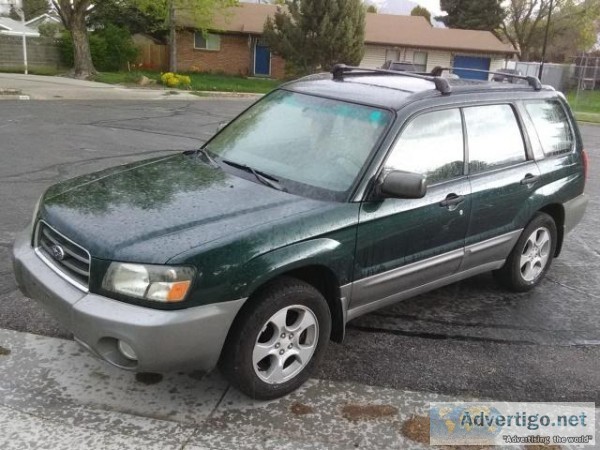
421 11
571 27
34 8
13 13
125 14
372 9
316 34
200 12
472 14
73 14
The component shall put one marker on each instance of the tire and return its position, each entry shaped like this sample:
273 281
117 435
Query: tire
531 257
277 340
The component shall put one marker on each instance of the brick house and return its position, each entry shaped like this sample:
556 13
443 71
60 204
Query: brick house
235 45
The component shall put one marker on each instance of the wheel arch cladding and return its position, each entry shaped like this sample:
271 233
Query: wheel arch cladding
557 212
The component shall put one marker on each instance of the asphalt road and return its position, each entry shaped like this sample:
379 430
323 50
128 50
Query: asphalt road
469 338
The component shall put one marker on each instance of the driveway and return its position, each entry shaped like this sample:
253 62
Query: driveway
468 338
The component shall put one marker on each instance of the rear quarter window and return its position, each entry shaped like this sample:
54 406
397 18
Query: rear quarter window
552 126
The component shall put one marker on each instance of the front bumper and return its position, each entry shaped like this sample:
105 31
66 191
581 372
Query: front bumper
163 341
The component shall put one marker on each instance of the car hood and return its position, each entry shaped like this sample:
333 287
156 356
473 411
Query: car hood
151 211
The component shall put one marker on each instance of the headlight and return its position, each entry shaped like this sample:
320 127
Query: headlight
164 284
36 209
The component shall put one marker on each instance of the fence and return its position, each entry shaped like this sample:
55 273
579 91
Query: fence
559 76
42 53
152 56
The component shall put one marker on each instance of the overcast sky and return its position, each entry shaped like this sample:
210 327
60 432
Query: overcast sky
405 6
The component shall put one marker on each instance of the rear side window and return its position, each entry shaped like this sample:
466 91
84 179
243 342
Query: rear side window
494 137
552 125
432 145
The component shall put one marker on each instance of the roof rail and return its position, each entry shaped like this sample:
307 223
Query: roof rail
534 82
340 71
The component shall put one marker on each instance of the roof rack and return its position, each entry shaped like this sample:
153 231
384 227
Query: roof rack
534 82
340 71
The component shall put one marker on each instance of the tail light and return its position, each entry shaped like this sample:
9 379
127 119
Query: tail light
586 163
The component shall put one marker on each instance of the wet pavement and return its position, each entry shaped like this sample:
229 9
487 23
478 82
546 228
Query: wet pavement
468 338
56 396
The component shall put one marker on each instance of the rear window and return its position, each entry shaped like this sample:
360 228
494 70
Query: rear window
552 125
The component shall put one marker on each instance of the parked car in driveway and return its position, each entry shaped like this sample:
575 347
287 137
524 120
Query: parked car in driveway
399 66
507 76
329 198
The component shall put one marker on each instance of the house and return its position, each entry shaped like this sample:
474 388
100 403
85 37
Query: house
43 19
10 27
235 45
5 5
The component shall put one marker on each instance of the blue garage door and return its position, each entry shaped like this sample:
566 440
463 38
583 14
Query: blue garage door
471 62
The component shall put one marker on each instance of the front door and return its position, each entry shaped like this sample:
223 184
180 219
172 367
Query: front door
402 243
262 59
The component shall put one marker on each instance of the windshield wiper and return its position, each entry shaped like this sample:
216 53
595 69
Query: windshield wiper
264 178
204 152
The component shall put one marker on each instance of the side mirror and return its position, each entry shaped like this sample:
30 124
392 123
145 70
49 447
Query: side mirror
399 184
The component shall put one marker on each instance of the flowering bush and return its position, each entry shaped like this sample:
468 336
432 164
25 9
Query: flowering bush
173 80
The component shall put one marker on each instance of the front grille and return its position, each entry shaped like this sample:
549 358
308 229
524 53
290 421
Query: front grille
63 255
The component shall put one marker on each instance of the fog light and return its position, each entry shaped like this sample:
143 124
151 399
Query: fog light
127 351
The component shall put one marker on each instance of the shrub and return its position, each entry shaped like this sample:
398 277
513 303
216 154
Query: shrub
111 47
172 80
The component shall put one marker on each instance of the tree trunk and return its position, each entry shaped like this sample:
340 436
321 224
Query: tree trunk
84 67
172 39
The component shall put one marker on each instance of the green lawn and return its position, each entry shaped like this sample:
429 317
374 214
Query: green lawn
585 102
200 81
586 105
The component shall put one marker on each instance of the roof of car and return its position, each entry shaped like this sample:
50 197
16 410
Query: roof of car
392 91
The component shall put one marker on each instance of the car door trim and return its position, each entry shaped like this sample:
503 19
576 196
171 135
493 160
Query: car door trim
477 258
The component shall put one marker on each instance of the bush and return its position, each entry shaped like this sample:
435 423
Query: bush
111 47
172 80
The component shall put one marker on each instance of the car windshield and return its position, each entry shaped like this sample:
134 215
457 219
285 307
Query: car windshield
313 146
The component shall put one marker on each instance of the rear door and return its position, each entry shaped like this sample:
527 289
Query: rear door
503 177
407 243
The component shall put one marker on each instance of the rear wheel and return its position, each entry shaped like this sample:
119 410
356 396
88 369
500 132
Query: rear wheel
532 255
275 344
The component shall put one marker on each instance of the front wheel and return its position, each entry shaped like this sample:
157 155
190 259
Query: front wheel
532 255
277 341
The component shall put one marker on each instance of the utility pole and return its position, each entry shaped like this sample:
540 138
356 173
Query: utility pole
21 13
546 40
172 37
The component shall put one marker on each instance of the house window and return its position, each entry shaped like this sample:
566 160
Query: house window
420 61
207 41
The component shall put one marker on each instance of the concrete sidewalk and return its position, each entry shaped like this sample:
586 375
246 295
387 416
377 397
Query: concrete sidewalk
53 395
54 88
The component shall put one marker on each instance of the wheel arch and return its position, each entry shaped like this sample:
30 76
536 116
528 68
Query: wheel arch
322 278
557 212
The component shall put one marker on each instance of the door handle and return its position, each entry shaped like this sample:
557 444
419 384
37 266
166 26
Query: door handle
530 179
452 200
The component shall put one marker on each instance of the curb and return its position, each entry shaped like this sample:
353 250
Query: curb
14 97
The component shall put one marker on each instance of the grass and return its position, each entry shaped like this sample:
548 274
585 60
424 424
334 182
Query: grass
586 105
200 81
585 102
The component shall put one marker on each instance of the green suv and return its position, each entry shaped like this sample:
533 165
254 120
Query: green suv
329 198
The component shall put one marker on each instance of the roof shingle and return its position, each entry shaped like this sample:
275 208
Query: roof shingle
383 29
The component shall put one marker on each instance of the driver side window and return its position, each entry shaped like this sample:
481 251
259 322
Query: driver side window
433 145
